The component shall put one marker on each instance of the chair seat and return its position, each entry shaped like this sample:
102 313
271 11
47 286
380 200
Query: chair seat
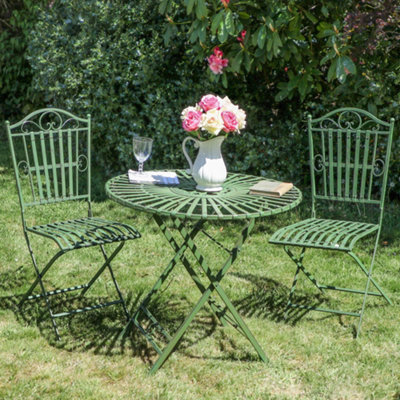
323 233
85 232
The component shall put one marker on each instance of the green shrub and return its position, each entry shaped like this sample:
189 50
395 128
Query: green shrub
17 18
107 59
110 59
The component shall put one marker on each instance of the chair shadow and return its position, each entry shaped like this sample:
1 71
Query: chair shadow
99 331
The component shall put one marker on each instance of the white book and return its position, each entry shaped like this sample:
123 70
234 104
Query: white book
153 177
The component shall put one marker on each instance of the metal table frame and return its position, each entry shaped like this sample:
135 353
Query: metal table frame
190 211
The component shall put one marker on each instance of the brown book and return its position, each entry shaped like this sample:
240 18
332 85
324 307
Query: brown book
270 188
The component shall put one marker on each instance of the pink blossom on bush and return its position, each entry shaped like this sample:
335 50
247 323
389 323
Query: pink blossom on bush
192 121
230 121
208 102
225 2
216 62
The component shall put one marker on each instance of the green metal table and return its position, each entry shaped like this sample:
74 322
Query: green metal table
190 211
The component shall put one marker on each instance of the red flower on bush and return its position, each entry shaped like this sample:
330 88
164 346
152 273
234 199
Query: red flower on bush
216 62
225 2
242 36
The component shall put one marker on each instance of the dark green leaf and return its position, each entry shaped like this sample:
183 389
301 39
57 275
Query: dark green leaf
163 6
262 35
216 21
281 95
237 61
224 81
310 17
201 9
277 43
372 108
190 5
167 34
244 15
340 71
302 86
247 62
229 23
327 57
332 71
349 65
222 32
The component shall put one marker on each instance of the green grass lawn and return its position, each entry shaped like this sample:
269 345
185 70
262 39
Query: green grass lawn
311 356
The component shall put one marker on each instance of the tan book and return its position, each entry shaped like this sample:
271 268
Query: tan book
269 188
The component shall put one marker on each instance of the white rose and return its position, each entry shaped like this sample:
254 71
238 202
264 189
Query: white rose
212 122
241 118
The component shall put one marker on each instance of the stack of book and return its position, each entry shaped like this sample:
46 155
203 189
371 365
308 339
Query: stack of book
270 188
153 177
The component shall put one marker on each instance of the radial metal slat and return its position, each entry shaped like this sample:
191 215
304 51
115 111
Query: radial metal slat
216 208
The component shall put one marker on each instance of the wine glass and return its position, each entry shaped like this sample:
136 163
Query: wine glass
142 150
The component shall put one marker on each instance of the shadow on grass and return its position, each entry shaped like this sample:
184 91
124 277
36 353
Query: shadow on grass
268 300
99 331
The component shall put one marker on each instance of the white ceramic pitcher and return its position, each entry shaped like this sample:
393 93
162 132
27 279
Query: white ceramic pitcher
208 170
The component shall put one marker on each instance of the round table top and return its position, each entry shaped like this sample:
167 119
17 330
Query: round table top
184 201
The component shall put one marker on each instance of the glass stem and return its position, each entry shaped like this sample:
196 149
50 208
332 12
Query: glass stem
140 167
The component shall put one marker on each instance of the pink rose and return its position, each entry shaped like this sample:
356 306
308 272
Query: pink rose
192 121
230 121
209 102
216 62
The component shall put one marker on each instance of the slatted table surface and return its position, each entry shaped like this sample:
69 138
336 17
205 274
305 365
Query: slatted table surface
184 201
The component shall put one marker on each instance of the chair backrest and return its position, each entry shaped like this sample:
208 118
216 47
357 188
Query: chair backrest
349 156
50 151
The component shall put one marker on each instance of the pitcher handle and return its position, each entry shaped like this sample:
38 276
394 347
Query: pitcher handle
196 144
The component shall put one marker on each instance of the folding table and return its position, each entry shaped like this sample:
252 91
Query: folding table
190 211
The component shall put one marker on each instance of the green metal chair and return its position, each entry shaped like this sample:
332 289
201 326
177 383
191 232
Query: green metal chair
349 160
51 156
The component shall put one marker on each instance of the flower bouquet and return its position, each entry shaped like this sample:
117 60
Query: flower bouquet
213 116
208 123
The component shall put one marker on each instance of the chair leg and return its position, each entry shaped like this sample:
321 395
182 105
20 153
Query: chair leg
369 280
40 281
298 262
107 264
369 276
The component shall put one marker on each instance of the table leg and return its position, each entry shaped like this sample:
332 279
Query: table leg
234 318
196 279
216 279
